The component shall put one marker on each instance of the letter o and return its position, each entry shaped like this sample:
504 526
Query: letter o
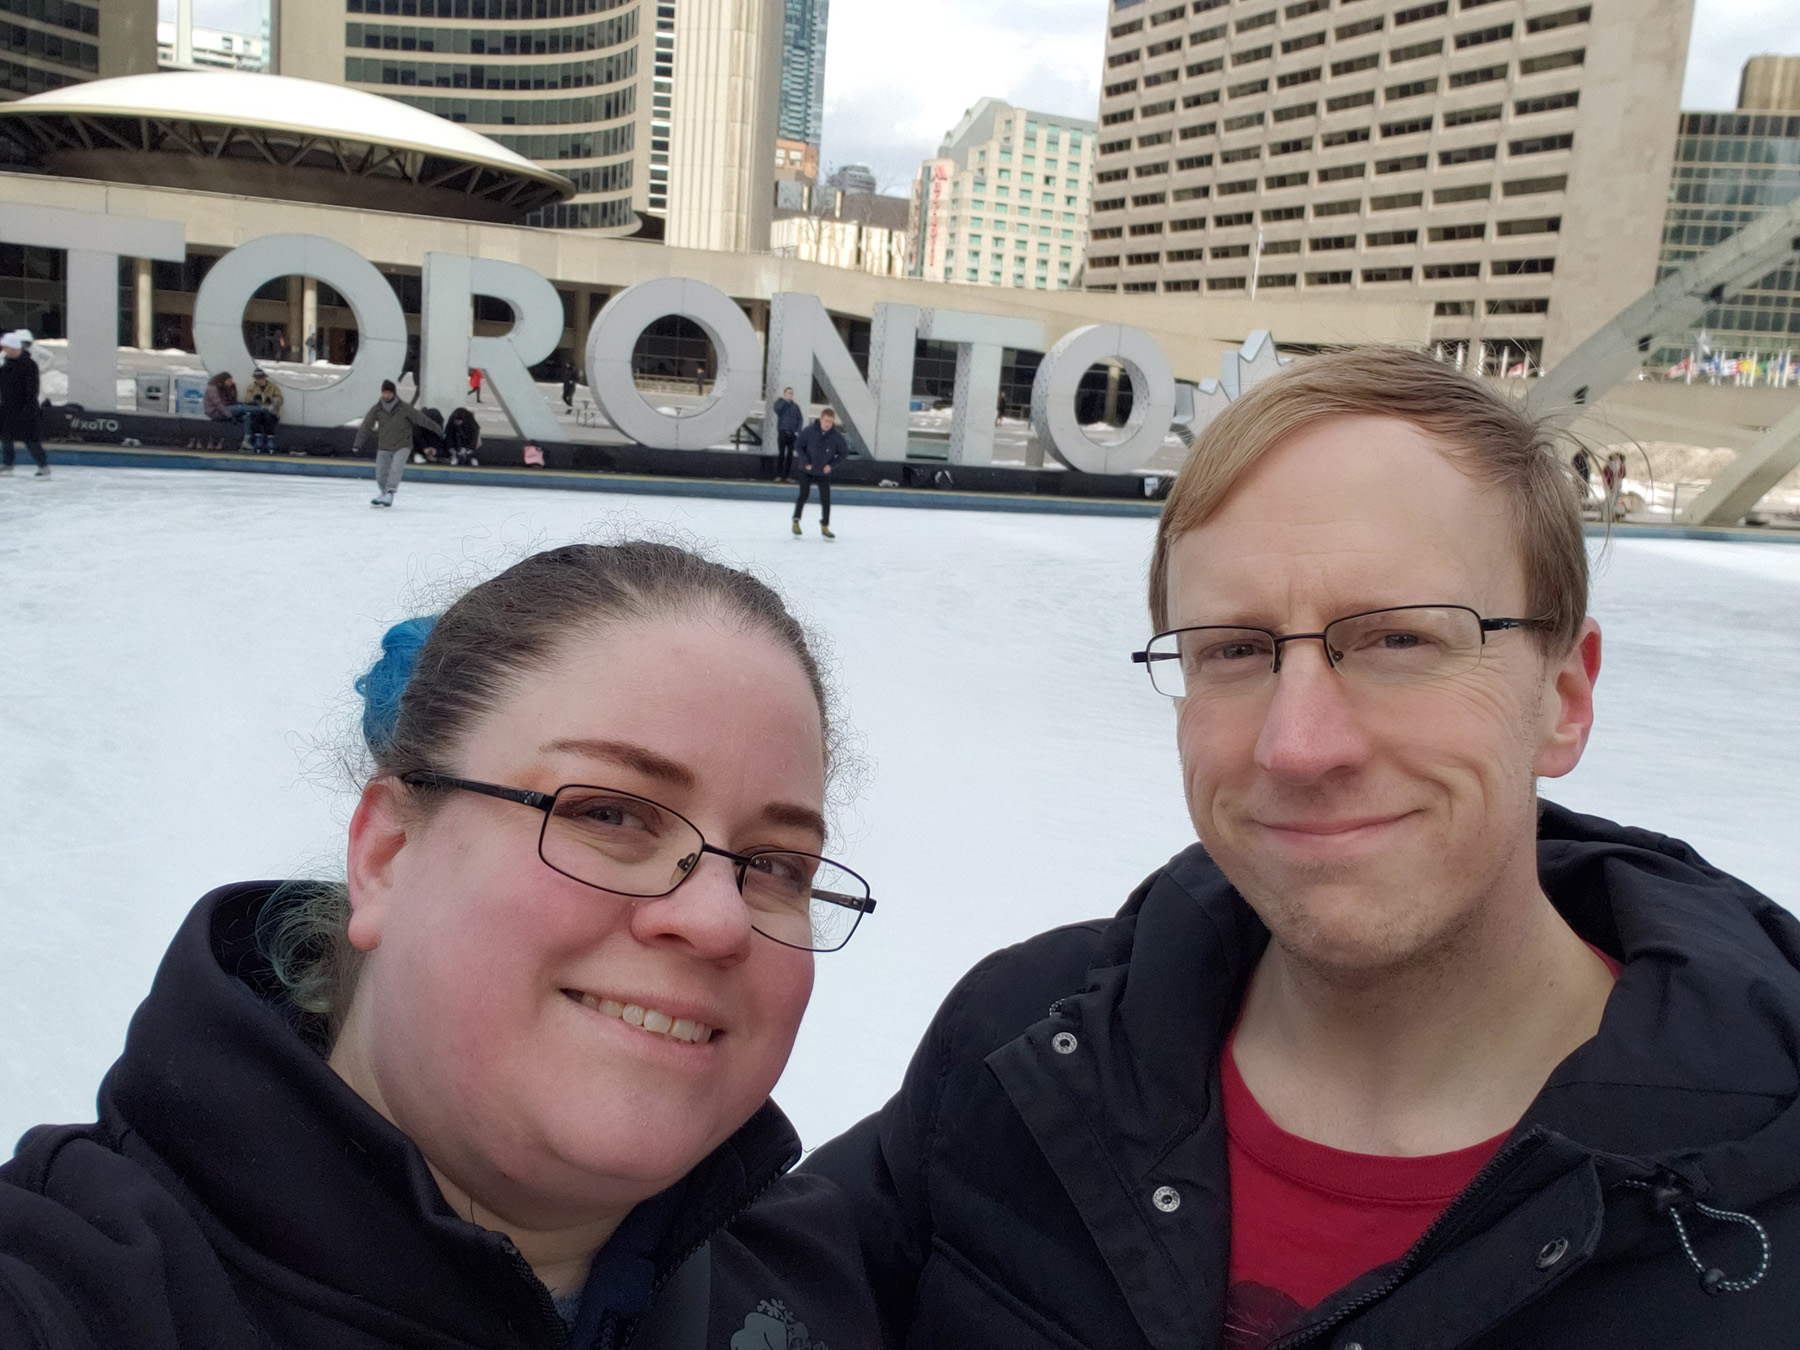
1152 398
380 322
737 389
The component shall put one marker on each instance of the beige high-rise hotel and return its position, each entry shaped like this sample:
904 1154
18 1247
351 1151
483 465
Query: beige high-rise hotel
1508 159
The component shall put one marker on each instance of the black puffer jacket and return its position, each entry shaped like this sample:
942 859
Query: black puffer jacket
20 417
237 1195
1005 1195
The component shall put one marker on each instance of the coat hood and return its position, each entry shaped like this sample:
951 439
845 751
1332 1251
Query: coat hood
223 1092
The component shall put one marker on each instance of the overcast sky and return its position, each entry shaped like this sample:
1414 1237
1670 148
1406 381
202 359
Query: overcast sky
898 76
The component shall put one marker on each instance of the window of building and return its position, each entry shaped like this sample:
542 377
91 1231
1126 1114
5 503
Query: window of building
1150 199
1463 117
1275 182
1519 267
1537 306
1450 309
1163 48
1293 147
1345 208
1301 43
1562 19
1536 65
1362 98
1187 223
1239 155
1237 188
1296 77
1247 88
1274 213
1143 259
1154 138
1346 31
1233 220
1355 63
1200 35
1189 284
1328 278
1254 119
1282 246
1255 21
1158 109
1252 54
1448 271
1462 79
1377 274
1120 30
1467 154
1531 187
1444 234
1348 136
1524 107
1118 59
1194 162
1398 201
1469 192
1341 171
1390 238
1415 51
1331 243
1537 145
1412 126
1151 170
1227 283
1532 225
1416 13
1411 89
1296 110
1231 250
1478 37
1400 164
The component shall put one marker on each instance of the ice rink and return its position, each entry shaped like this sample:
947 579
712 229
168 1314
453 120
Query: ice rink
178 649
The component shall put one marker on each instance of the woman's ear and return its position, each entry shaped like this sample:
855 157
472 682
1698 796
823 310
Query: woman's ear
378 832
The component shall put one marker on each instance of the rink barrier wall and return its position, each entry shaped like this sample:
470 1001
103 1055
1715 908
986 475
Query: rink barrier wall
740 489
750 464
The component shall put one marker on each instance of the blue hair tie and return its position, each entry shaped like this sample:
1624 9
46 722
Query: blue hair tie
387 679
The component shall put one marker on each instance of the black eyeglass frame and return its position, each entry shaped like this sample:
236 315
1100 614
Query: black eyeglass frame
1485 626
741 862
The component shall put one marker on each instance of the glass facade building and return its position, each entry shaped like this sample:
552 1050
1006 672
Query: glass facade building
1730 168
803 72
46 44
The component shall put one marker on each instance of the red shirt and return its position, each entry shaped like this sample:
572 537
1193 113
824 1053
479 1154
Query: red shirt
1307 1219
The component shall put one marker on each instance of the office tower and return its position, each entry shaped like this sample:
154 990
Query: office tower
802 89
1005 201
1730 168
727 98
583 87
1505 158
46 44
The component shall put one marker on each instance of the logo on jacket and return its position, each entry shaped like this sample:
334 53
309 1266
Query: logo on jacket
773 1327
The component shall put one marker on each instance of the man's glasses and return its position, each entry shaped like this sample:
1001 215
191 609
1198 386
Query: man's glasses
1409 644
630 845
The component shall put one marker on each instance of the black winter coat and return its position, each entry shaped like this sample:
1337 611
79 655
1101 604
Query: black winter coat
818 449
20 417
237 1195
1005 1194
787 416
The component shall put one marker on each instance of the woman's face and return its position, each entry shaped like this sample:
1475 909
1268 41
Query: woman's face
474 1027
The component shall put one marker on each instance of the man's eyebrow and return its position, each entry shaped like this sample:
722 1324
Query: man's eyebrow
637 758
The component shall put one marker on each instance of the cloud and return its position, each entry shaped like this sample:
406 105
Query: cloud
896 83
1728 32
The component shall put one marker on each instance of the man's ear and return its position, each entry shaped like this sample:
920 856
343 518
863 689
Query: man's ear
1568 705
378 832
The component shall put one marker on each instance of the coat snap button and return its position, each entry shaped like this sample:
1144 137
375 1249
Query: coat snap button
1064 1043
1552 1252
1167 1199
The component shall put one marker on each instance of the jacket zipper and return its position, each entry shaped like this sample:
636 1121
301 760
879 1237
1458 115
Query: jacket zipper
559 1330
731 1218
1471 1194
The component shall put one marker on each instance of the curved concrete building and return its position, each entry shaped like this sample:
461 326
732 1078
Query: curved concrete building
273 136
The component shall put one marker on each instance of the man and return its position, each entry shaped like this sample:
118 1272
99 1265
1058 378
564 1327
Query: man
820 446
1399 1057
20 416
787 427
388 426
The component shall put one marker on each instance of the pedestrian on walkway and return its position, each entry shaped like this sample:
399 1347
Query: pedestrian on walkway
475 383
20 417
388 426
788 419
820 446
568 389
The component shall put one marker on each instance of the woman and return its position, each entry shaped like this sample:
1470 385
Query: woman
20 417
509 1085
462 436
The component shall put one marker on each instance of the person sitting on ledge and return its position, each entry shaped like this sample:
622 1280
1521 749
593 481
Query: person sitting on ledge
1398 1056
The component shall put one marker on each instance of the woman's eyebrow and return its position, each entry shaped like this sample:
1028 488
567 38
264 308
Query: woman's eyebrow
638 758
803 817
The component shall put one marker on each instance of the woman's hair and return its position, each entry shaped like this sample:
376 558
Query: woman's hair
439 677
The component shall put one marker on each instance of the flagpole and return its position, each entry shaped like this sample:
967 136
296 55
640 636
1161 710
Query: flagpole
1256 262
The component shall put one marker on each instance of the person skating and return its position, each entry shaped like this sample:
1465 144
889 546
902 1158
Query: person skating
788 419
20 417
820 446
388 425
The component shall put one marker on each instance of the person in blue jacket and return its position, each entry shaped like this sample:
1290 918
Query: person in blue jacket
507 1084
820 446
788 419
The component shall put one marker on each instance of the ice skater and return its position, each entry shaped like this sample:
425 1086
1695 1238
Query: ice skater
820 446
388 425
20 417
788 418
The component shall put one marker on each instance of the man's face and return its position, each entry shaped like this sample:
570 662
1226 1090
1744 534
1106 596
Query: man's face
827 421
788 394
1367 824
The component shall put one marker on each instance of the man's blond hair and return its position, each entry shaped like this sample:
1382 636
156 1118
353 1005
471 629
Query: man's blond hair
1478 430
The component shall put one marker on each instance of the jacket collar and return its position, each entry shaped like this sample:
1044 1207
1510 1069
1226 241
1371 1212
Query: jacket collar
222 1091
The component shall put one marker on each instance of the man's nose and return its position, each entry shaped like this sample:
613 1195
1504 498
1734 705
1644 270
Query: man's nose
1310 726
